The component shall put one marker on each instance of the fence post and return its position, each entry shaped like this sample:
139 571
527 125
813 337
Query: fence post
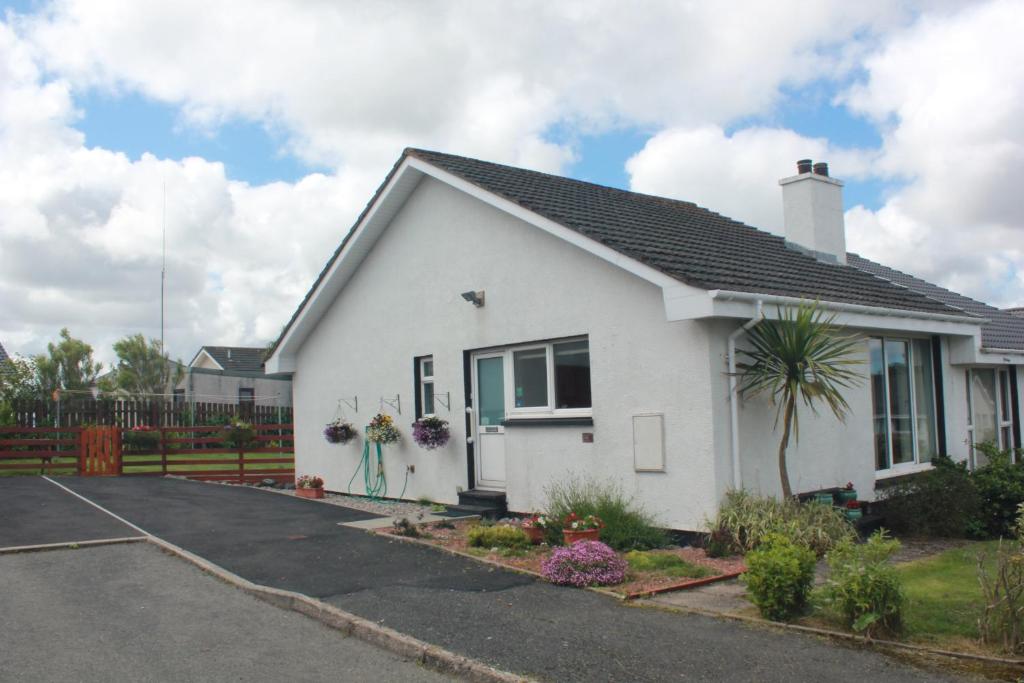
118 436
81 452
241 464
163 451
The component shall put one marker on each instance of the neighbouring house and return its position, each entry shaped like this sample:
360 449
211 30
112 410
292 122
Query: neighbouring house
3 354
232 374
1019 312
568 329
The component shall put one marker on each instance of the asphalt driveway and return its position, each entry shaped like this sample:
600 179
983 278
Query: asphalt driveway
504 619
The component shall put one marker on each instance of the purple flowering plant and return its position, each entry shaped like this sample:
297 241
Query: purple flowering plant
339 431
430 432
587 563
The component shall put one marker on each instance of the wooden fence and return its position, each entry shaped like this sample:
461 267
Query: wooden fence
129 413
193 452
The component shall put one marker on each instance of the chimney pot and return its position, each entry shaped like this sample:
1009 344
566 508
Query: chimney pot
821 168
803 166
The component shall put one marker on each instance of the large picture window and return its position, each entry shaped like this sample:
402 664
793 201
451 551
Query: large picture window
903 396
551 378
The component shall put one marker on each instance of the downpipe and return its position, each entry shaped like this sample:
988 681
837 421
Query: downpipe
734 429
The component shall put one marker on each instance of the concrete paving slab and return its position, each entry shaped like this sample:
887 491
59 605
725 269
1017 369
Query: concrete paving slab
386 522
133 613
723 597
34 512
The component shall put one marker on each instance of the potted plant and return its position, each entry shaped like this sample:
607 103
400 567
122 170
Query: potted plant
382 429
576 528
309 486
536 526
846 494
238 434
430 432
339 431
141 438
853 510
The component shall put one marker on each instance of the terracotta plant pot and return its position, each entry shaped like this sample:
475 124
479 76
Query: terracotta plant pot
571 536
310 493
535 534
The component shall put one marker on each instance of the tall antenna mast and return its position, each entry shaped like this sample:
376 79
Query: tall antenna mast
163 264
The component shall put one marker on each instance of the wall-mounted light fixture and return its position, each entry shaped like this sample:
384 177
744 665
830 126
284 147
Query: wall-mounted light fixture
475 298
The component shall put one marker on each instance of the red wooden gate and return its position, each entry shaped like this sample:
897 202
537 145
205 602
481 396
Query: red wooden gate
101 451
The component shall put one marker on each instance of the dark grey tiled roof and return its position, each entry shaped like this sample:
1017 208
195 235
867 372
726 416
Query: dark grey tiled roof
3 354
1004 331
239 358
682 240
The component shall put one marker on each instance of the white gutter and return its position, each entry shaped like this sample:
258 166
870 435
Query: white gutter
1002 352
726 295
737 477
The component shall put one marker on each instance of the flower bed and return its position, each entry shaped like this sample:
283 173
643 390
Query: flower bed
651 574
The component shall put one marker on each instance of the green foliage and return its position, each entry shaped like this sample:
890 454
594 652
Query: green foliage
141 439
403 527
17 382
779 577
744 521
798 358
863 588
941 502
144 368
1002 621
68 366
665 563
238 434
1000 483
627 525
497 536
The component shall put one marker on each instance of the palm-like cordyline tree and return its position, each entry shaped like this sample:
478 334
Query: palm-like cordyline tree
800 356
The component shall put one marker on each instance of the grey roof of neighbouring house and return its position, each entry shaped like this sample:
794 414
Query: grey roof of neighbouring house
1019 312
683 240
237 358
3 354
1003 331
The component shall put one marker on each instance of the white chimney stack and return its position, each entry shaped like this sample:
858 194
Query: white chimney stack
812 209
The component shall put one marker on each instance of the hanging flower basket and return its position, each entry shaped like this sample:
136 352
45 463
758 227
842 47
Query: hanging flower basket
339 431
430 432
382 429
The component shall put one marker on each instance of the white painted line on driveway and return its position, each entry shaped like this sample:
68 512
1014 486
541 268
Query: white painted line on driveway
99 507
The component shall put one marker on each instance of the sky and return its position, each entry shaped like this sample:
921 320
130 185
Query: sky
255 132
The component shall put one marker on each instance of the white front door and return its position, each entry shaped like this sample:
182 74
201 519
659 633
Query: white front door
489 414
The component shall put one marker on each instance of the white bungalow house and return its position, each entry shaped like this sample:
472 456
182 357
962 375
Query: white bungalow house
565 328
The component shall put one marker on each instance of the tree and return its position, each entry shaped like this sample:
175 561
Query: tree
68 366
144 368
17 382
798 357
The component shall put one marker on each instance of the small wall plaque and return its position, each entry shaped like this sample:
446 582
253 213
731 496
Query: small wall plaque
588 437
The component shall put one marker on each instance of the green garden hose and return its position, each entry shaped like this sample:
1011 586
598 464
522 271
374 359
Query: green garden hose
375 484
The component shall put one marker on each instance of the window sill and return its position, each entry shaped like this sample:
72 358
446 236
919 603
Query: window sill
886 477
548 422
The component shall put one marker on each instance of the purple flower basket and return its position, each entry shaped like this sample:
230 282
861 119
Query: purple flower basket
430 432
586 563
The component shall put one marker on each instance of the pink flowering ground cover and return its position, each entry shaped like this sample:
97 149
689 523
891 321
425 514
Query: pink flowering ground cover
635 581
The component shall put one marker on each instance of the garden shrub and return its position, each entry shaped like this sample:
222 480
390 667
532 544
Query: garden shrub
1000 485
627 526
141 438
941 502
864 588
238 434
585 563
498 536
744 521
779 577
1002 620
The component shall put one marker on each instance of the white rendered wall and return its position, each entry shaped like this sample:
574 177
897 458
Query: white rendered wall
405 302
210 388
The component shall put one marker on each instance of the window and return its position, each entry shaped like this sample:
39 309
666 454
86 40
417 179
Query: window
426 388
551 378
903 396
246 396
179 396
989 410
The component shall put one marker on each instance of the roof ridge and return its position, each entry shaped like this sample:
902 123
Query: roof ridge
921 279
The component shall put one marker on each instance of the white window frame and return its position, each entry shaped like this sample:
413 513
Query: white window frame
548 410
1001 374
426 379
895 470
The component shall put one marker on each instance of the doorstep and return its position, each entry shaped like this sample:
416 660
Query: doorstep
387 522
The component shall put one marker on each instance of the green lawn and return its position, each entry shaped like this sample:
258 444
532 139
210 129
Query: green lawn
943 594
